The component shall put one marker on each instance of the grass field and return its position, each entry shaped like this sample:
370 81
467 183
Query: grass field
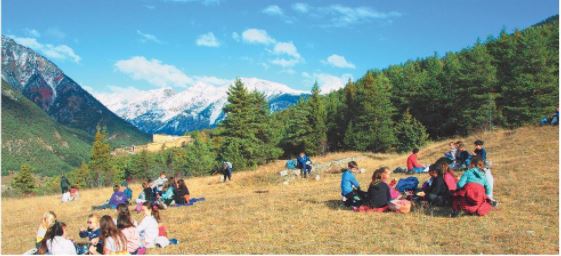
257 213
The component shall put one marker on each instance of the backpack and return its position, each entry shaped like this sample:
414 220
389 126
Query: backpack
409 183
400 170
292 164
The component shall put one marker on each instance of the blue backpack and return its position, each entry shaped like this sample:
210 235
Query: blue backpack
409 183
291 164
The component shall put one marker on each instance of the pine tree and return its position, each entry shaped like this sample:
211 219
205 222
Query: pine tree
200 157
316 119
141 165
533 88
410 133
24 182
476 81
80 177
101 159
371 127
248 137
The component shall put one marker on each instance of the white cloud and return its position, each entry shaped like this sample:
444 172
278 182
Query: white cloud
208 40
342 16
32 32
59 52
236 36
273 10
326 82
287 48
153 71
301 7
257 36
284 62
148 37
338 61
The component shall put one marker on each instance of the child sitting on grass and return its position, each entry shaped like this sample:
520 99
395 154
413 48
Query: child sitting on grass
47 221
182 194
91 232
379 193
114 242
55 241
118 197
128 227
350 188
437 194
473 190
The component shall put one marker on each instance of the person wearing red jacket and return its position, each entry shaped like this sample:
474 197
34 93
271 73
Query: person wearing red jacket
413 166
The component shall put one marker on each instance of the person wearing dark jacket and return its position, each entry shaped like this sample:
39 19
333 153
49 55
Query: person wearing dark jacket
182 196
438 193
64 184
378 194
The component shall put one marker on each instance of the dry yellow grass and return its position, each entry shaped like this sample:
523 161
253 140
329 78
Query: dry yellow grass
304 217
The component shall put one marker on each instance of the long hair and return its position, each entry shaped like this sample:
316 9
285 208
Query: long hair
181 186
123 217
108 229
57 229
377 175
154 210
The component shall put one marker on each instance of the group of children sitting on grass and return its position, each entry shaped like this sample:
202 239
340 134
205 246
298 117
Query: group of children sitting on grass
471 193
105 235
161 192
121 235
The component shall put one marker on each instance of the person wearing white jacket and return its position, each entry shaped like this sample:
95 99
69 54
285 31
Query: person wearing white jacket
56 243
148 227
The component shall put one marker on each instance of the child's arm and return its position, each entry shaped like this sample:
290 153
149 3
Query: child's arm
463 180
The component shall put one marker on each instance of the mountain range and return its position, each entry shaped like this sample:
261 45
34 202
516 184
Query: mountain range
42 82
171 111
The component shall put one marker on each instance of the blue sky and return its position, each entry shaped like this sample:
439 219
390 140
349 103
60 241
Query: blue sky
146 44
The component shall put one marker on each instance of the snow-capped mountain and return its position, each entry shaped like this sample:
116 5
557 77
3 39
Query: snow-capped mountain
197 107
41 81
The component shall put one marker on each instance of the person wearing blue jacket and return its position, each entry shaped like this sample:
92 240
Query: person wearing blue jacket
350 188
304 164
476 174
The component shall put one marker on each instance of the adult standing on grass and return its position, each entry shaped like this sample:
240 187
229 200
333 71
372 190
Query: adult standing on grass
227 170
64 184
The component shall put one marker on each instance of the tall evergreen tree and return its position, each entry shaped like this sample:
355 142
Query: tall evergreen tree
533 88
200 157
476 81
316 120
372 125
24 182
248 137
100 162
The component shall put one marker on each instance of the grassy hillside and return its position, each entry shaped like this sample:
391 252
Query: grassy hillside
257 213
30 136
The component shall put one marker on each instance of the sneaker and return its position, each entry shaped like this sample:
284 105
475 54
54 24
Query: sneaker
494 203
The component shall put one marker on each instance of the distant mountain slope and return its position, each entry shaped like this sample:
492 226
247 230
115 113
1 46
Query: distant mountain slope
30 136
197 107
42 82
